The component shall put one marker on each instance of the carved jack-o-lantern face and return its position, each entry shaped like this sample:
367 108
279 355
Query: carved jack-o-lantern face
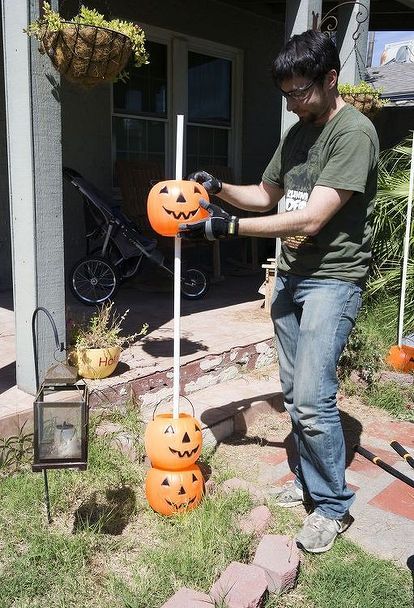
173 443
172 492
174 202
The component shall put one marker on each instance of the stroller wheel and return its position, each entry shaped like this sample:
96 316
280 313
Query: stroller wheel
94 280
194 284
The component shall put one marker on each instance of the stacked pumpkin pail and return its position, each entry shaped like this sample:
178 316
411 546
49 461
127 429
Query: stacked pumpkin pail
173 441
174 483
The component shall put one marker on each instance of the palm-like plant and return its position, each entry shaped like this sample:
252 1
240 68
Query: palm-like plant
389 225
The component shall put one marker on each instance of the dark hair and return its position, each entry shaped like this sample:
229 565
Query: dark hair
312 54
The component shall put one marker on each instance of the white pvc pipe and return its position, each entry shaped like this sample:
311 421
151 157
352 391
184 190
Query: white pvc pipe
177 275
406 249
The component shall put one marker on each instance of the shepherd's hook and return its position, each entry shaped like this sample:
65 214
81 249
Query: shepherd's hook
59 345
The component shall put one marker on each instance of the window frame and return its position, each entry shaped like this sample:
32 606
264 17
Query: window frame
178 45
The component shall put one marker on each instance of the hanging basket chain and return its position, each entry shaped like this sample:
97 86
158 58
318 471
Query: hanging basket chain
331 23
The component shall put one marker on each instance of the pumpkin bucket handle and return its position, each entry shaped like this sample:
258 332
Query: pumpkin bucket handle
184 397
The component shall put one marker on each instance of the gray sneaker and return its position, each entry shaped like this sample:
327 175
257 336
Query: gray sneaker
318 532
288 495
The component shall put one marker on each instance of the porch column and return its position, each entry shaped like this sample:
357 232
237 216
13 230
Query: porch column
353 53
299 18
35 177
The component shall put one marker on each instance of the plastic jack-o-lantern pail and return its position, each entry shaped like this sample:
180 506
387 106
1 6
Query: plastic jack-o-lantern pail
401 358
174 202
174 492
173 443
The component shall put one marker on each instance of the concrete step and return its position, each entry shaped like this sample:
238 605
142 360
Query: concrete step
224 408
150 386
230 407
222 337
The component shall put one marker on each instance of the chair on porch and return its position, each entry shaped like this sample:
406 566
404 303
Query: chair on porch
136 177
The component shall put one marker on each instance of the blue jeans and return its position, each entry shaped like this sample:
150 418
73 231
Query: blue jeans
313 319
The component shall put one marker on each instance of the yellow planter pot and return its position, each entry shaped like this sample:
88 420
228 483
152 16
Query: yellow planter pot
97 362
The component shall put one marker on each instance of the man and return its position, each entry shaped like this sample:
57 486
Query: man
326 167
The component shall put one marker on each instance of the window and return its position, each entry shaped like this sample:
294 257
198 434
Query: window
209 110
140 110
184 76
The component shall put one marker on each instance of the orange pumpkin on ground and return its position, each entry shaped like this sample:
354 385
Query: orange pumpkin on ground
174 202
401 358
173 443
173 492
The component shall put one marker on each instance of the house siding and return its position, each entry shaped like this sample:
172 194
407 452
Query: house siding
5 240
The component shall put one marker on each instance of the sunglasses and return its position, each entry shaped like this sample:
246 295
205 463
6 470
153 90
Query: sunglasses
299 93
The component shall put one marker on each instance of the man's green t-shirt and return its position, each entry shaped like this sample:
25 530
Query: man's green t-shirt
341 154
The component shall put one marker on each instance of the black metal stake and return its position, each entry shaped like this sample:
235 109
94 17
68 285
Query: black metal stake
47 499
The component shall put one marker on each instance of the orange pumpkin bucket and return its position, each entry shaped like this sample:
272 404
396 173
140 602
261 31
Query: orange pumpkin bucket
174 202
401 358
173 492
173 443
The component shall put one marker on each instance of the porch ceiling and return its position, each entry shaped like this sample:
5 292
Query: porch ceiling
385 14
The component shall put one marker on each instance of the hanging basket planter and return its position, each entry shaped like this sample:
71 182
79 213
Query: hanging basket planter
87 54
365 103
363 97
88 50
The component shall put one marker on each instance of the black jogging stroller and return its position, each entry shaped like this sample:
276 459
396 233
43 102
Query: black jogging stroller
115 250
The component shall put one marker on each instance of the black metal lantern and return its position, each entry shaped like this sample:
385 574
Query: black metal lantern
60 416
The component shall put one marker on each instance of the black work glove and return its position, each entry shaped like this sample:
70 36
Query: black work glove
210 183
220 225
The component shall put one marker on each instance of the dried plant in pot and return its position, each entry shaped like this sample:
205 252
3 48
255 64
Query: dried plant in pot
96 344
88 50
363 96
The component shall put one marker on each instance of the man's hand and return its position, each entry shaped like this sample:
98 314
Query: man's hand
210 183
220 225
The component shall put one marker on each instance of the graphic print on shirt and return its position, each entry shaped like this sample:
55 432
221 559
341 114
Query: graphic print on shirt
294 201
299 182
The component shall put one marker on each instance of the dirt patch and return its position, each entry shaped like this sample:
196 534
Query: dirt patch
267 440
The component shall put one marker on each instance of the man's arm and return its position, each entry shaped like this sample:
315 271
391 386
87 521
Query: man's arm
323 204
257 198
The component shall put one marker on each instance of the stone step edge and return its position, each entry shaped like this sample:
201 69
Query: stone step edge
196 375
216 423
251 395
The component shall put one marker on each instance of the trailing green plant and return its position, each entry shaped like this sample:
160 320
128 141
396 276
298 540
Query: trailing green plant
15 451
53 22
360 88
103 330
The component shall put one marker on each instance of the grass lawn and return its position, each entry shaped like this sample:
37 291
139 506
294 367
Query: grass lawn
106 548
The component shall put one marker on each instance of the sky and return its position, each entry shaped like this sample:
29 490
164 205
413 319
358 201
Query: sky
383 38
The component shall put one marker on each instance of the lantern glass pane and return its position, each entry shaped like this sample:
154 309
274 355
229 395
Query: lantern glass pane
60 432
